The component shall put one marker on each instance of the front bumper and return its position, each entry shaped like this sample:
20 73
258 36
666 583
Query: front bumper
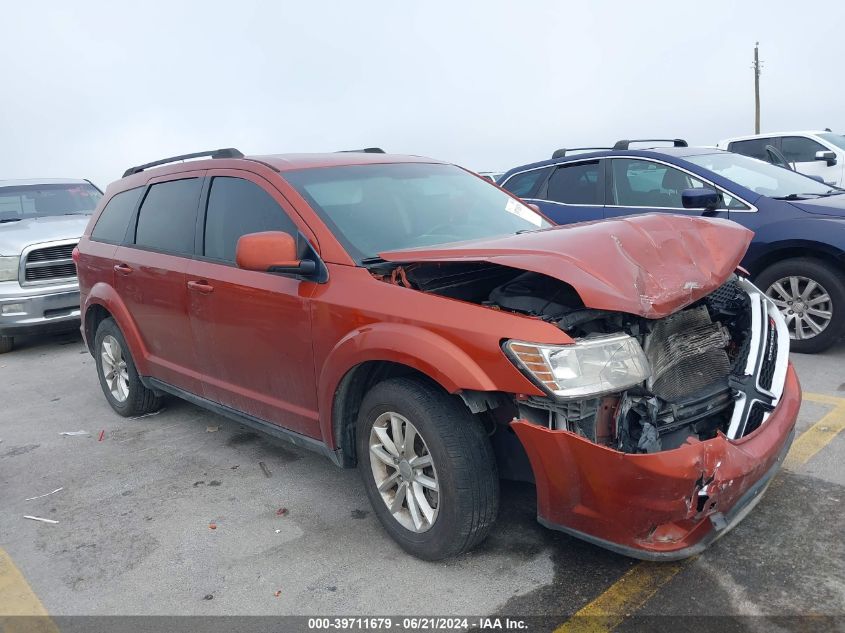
658 506
36 310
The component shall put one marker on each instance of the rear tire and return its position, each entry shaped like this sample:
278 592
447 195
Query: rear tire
118 376
6 344
813 280
458 460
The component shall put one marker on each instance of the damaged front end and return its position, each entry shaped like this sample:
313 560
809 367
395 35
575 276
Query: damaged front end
674 404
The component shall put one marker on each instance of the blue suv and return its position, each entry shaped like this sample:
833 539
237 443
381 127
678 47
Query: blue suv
798 252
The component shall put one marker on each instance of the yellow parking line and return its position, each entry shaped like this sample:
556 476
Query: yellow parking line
643 580
18 599
625 596
816 437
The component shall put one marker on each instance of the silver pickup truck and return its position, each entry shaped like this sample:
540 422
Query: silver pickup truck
40 223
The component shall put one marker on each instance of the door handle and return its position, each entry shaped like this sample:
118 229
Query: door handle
123 269
201 286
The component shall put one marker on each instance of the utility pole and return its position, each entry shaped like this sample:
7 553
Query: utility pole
756 68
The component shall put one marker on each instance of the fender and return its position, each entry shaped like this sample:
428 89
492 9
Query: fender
818 233
422 349
106 296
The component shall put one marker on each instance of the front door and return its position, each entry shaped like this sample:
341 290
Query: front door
150 278
252 330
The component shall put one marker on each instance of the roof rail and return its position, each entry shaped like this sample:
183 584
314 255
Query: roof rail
676 142
226 152
560 153
366 150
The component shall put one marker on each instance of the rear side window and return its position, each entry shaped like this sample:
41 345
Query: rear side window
575 184
525 184
755 147
113 221
799 149
237 207
168 215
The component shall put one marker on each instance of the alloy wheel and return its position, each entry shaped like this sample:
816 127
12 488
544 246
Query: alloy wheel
804 303
404 472
114 368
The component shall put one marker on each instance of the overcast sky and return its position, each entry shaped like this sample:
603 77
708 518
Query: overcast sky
89 88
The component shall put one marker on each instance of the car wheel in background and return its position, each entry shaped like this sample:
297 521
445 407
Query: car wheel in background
118 377
428 468
6 344
811 296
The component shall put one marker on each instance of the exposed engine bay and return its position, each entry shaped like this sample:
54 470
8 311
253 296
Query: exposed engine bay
717 365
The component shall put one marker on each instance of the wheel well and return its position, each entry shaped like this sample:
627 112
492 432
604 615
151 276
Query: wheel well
95 315
807 252
349 395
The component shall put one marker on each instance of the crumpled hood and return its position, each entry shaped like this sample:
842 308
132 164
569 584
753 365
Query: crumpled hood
15 236
650 265
832 205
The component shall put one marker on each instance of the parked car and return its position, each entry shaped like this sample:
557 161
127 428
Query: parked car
814 153
408 317
798 253
40 223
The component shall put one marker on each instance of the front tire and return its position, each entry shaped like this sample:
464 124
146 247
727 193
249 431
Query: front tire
118 376
811 296
6 344
428 468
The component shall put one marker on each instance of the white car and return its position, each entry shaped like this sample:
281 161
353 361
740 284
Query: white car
820 154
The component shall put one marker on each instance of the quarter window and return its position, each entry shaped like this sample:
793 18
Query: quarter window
799 149
525 184
113 221
575 184
168 215
237 207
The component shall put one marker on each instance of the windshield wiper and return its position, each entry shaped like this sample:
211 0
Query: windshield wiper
4 220
797 196
372 260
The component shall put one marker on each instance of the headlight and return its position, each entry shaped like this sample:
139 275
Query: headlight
9 268
590 367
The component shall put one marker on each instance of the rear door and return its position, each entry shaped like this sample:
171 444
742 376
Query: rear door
150 276
252 330
638 185
574 192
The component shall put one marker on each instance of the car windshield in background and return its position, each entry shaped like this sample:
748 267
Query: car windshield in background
761 177
22 202
836 139
376 208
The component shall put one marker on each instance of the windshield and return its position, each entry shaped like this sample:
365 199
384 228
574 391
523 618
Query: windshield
836 139
376 208
22 202
761 177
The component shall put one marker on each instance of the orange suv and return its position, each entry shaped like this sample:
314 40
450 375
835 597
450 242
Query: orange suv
410 318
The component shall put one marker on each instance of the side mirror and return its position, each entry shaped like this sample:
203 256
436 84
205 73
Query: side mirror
827 156
703 198
271 251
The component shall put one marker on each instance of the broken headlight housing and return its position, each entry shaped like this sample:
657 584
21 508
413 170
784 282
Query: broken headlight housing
589 367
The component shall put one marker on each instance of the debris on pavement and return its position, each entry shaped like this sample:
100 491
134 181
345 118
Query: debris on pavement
277 593
32 518
74 433
147 415
212 526
208 596
102 435
278 531
281 512
212 429
45 495
266 470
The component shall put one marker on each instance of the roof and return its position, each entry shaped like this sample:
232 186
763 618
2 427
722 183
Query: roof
771 134
289 162
23 182
654 152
